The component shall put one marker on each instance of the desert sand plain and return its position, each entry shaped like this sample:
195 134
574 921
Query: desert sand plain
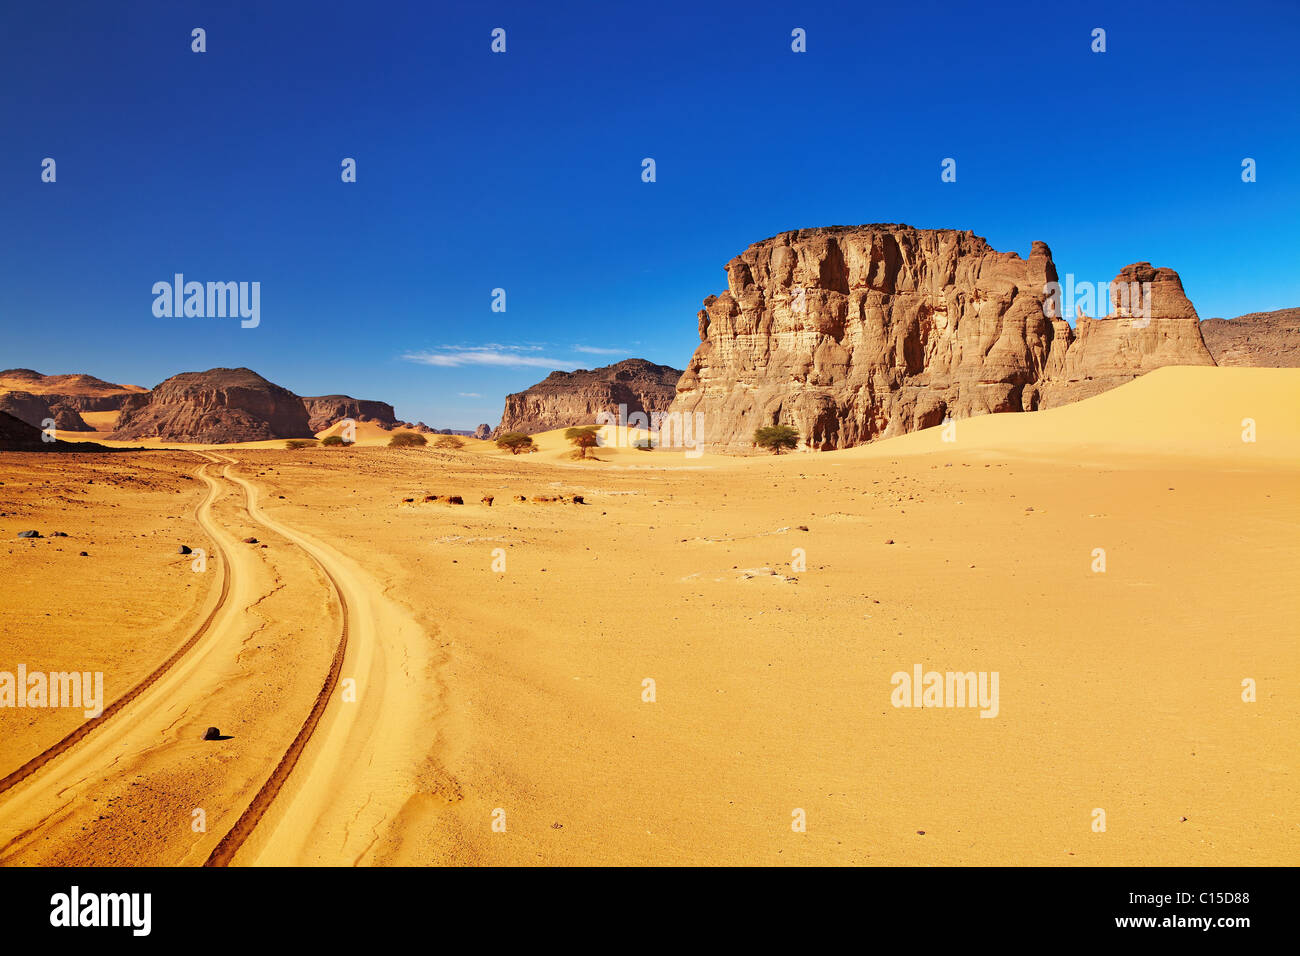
468 693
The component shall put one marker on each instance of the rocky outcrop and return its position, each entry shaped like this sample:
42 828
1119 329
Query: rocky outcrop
483 432
37 409
78 393
17 435
1260 339
324 410
1144 331
852 333
219 405
567 399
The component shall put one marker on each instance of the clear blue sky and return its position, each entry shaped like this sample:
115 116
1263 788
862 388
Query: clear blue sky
523 170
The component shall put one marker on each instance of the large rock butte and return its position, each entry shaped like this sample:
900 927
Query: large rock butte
853 333
568 399
219 405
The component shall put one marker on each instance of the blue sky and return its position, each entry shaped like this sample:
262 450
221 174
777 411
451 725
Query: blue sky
522 170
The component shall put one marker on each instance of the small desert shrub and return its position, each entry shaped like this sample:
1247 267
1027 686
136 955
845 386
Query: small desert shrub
582 438
448 441
515 442
644 444
334 441
293 444
776 438
407 440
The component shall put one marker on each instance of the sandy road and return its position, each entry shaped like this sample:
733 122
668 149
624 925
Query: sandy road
203 514
51 789
336 785
359 761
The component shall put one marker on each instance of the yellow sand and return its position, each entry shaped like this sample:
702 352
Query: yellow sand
517 692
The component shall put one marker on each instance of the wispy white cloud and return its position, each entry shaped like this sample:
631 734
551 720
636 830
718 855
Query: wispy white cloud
469 394
593 350
502 356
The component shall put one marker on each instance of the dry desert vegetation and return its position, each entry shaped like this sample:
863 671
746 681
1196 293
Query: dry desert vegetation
683 667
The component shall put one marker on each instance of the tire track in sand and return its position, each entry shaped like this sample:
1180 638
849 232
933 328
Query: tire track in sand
354 765
229 844
203 515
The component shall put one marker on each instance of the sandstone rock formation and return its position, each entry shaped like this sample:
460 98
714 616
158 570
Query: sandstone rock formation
1154 329
324 410
219 405
33 397
483 432
37 409
1260 339
17 435
852 333
567 399
82 393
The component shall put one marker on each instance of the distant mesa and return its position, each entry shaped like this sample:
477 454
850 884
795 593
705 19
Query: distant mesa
568 399
1260 339
38 409
324 410
854 333
82 392
33 398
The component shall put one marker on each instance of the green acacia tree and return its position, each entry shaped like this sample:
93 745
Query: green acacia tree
515 442
777 438
582 438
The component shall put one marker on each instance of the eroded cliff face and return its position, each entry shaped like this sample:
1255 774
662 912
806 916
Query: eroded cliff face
1151 324
568 399
37 409
1258 340
853 333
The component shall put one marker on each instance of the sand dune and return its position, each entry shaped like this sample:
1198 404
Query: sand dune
1183 410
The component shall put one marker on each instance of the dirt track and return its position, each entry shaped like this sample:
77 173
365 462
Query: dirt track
51 797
